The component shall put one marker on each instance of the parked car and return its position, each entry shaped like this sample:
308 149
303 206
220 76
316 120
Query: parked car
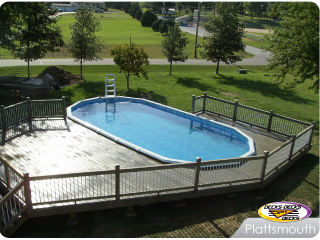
98 10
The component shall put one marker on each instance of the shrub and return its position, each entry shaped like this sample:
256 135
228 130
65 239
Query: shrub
164 26
148 18
138 14
134 8
156 24
127 7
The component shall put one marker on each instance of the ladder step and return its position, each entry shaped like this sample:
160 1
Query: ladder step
110 90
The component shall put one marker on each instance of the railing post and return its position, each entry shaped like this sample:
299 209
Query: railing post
294 136
235 110
314 125
264 165
29 113
4 124
64 108
6 168
270 121
197 174
193 103
27 191
117 182
204 102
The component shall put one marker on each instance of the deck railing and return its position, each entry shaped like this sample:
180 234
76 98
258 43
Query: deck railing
255 117
188 178
29 110
145 181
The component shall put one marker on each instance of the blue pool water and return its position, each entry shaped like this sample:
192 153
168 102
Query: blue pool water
164 131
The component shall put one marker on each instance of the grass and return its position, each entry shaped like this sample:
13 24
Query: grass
214 216
117 29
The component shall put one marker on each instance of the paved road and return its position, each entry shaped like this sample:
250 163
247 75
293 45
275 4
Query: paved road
260 58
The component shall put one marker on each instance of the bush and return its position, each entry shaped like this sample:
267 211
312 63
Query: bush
138 14
134 8
148 18
156 24
164 26
127 7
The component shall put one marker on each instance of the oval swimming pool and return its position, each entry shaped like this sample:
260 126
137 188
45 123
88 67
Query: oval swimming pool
167 134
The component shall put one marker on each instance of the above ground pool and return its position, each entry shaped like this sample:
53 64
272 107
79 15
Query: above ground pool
161 132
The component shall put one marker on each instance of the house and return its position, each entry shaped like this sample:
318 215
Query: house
170 11
73 6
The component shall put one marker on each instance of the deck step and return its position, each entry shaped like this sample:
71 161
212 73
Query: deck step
15 226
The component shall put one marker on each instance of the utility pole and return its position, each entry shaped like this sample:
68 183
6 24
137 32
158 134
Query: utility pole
198 20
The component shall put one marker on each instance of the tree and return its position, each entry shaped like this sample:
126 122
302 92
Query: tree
131 60
165 25
138 15
84 44
148 17
252 7
295 46
173 46
224 35
28 29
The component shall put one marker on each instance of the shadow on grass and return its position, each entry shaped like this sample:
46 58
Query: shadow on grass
194 83
265 88
212 216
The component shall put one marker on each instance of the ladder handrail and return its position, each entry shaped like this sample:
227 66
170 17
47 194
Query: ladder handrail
110 85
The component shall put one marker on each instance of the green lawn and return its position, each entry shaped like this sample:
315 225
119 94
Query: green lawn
214 216
117 29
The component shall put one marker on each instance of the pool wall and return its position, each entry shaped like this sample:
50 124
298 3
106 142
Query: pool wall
225 128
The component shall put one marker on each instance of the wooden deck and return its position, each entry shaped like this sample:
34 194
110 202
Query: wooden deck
52 149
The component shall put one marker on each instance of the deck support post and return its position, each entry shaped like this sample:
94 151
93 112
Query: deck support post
117 184
193 103
235 111
264 165
27 191
204 102
294 136
72 220
270 121
4 125
197 174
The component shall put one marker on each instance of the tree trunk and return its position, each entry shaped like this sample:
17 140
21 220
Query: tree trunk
127 80
81 68
170 67
217 70
28 68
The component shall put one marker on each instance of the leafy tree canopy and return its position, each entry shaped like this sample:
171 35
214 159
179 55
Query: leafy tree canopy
295 45
173 46
28 29
224 35
131 59
84 44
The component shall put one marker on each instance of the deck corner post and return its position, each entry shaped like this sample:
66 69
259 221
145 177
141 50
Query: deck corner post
193 103
235 111
197 174
4 125
117 183
204 102
294 136
264 166
27 191
29 114
312 131
270 121
6 169
64 108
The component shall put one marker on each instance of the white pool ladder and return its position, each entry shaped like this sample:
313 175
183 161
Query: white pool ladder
111 85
